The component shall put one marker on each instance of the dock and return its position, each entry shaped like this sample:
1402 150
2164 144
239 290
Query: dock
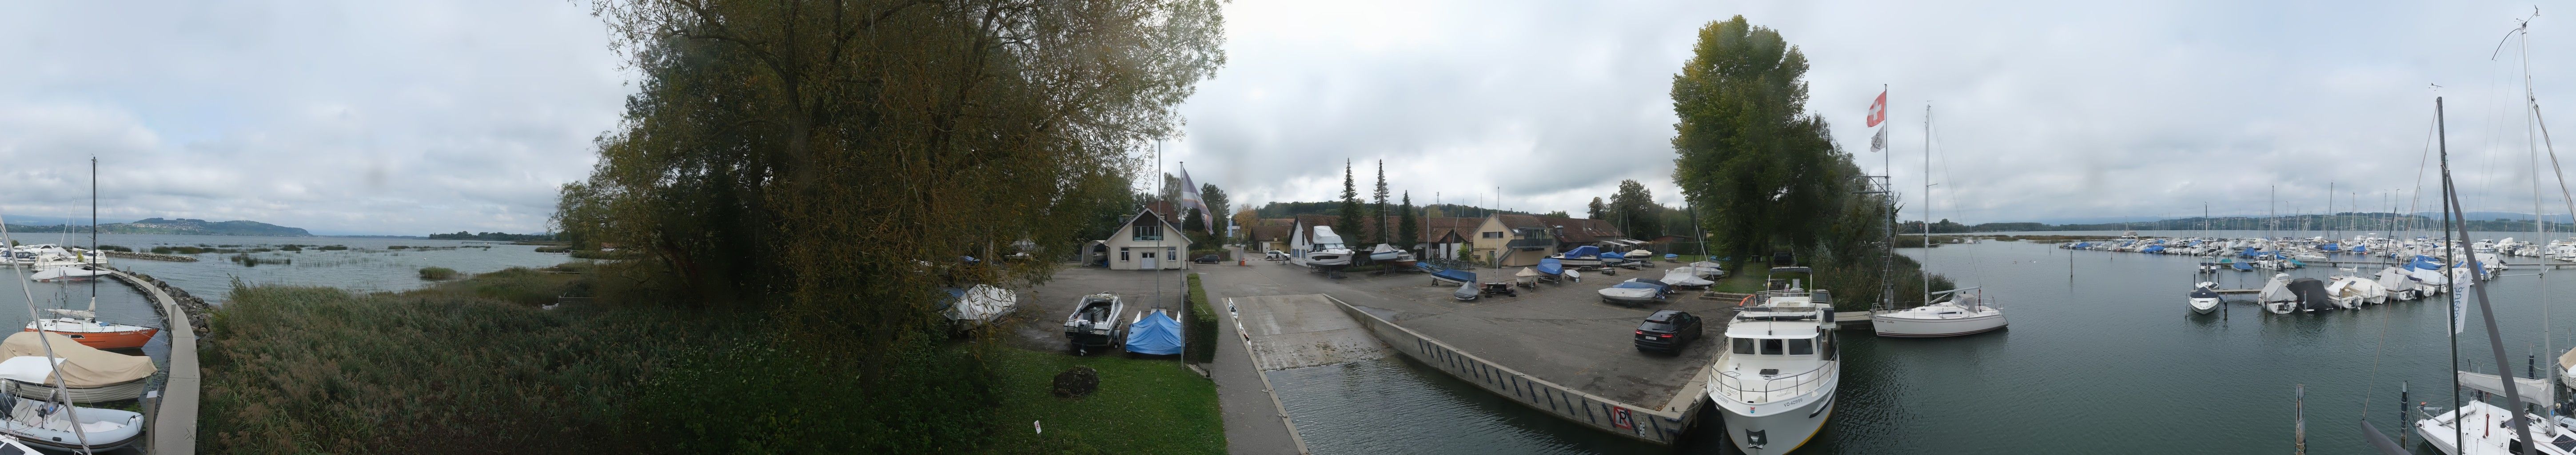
174 415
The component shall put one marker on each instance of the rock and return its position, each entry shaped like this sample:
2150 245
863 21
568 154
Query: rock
1076 382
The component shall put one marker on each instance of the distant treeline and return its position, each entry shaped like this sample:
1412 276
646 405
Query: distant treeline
499 236
2343 221
1292 209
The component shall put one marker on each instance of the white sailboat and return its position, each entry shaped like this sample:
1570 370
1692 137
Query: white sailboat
1964 313
1774 385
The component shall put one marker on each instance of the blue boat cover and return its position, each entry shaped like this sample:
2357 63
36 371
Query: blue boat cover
2081 245
1582 251
2422 262
2241 266
1550 266
2361 248
2153 249
1671 255
2330 247
1456 275
1157 334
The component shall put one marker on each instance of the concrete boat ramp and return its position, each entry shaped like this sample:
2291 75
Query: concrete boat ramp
1556 348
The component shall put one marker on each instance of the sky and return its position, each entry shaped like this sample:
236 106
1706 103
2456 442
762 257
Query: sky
2041 111
412 118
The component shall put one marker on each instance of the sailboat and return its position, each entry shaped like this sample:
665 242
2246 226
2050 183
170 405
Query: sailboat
1964 313
53 422
83 325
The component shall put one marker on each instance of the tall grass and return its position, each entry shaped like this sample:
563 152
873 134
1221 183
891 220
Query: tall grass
437 273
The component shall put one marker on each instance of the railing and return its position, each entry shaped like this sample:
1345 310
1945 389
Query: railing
1731 385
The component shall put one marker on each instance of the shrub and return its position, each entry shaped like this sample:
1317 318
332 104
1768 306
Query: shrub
1200 341
334 248
554 249
437 273
115 248
397 247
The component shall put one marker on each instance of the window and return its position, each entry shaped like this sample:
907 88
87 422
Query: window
1146 233
1491 234
1771 346
1802 347
1122 255
1744 345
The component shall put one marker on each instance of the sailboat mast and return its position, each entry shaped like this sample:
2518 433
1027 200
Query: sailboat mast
97 258
1926 268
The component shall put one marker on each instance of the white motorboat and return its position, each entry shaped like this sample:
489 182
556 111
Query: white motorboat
1094 323
2276 296
50 425
1384 252
1960 315
1684 277
2489 429
1774 385
66 274
1581 256
1634 292
1707 270
1328 249
2204 297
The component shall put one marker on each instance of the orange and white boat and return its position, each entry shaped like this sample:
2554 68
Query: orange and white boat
84 326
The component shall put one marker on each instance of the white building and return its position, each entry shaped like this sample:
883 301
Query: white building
1148 241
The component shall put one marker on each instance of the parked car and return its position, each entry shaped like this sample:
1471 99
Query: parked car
1205 259
1668 331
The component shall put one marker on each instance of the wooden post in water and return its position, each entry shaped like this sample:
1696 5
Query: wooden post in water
2402 401
2299 403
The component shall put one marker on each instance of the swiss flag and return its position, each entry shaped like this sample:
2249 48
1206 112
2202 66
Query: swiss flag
1878 109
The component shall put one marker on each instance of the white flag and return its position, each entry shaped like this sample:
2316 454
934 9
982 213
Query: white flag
1878 142
1190 199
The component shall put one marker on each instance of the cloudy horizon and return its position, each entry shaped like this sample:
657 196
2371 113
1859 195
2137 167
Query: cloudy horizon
392 118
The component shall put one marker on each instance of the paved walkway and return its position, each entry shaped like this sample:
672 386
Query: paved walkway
1255 423
174 424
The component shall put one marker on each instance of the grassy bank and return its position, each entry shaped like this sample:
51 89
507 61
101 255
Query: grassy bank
1142 406
475 366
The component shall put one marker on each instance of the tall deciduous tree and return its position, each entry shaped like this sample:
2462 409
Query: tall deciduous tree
1635 210
1215 199
1597 210
824 162
1348 226
1763 172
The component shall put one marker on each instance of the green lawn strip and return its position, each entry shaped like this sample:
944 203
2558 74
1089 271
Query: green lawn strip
1142 406
1740 283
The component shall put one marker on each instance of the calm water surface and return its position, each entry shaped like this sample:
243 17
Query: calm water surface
2102 357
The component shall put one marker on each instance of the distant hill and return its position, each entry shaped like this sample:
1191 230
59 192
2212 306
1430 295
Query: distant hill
180 226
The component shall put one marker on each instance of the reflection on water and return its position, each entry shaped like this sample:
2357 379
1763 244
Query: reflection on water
2103 356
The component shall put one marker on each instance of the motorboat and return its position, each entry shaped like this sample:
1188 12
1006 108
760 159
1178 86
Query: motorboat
1446 276
1774 384
2351 291
1959 315
66 274
2276 296
974 306
1403 260
1573 275
2481 428
1528 278
1328 249
1094 323
1684 277
52 426
1466 292
1550 270
1579 257
1154 333
1384 252
1634 292
2204 297
1707 270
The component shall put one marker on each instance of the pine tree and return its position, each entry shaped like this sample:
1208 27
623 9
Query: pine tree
1349 224
1379 211
1409 231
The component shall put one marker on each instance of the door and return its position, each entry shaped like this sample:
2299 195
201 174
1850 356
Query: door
1149 261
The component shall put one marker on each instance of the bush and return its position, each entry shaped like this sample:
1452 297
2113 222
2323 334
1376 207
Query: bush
1199 344
554 249
333 248
437 273
115 248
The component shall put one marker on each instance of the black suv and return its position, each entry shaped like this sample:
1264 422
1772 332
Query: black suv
1667 331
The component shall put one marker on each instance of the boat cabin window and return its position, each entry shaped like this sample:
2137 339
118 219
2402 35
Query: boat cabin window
1744 345
1802 347
1771 346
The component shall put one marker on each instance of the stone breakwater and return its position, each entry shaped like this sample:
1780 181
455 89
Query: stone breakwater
199 313
150 256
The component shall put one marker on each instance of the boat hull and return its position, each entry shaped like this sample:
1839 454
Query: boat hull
1780 432
1896 327
121 339
123 391
1328 259
2204 306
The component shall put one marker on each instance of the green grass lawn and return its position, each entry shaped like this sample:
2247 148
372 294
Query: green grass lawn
1142 406
1740 283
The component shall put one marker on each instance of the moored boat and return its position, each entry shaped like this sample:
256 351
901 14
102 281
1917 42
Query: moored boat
1774 384
2204 297
1960 315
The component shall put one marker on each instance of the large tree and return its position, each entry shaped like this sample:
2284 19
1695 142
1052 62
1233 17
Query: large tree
1597 210
1763 172
823 163
1635 210
1215 199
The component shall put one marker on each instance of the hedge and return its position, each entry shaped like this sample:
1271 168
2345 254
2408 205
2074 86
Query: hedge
1199 345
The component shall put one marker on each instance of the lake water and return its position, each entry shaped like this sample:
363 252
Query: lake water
2102 357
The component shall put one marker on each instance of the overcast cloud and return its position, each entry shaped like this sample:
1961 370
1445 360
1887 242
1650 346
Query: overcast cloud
2043 110
409 118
